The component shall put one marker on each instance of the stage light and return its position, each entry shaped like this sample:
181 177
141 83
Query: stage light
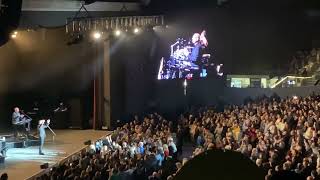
97 35
136 30
113 23
185 84
14 34
117 32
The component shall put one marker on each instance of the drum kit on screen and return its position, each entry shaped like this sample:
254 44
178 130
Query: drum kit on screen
179 64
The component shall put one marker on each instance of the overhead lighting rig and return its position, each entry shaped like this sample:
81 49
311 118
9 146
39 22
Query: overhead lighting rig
88 24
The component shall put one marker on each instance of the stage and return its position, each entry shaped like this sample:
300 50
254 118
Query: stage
22 163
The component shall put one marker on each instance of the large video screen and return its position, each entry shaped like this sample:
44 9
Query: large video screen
189 59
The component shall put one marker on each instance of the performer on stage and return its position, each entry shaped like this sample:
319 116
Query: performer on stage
61 108
43 124
19 119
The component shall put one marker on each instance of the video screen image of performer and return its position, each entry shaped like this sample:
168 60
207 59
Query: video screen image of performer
187 59
19 119
42 125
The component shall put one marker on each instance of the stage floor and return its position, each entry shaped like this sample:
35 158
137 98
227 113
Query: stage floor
22 163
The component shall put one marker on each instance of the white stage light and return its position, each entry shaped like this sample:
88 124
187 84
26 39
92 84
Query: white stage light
136 30
97 35
14 34
117 32
185 84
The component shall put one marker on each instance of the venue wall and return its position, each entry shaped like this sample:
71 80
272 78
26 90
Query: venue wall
170 97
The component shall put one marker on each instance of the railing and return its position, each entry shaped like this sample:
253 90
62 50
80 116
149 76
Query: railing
44 171
287 77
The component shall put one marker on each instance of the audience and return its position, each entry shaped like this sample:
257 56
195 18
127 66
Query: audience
303 62
136 150
279 135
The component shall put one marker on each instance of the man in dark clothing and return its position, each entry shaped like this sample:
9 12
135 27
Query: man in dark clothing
180 135
199 41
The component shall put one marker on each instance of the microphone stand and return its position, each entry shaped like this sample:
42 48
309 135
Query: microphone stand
54 134
29 122
52 131
25 115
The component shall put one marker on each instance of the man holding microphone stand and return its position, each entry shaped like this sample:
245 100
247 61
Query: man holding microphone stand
42 125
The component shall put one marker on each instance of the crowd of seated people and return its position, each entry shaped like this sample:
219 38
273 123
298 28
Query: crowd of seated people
303 61
279 135
141 149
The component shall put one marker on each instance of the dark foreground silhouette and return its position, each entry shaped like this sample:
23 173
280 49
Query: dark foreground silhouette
220 165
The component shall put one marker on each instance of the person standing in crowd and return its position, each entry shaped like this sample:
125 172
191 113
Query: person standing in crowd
180 135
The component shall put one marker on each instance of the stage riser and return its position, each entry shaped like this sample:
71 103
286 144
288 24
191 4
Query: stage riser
22 144
17 144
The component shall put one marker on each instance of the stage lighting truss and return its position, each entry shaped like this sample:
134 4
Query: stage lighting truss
108 24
